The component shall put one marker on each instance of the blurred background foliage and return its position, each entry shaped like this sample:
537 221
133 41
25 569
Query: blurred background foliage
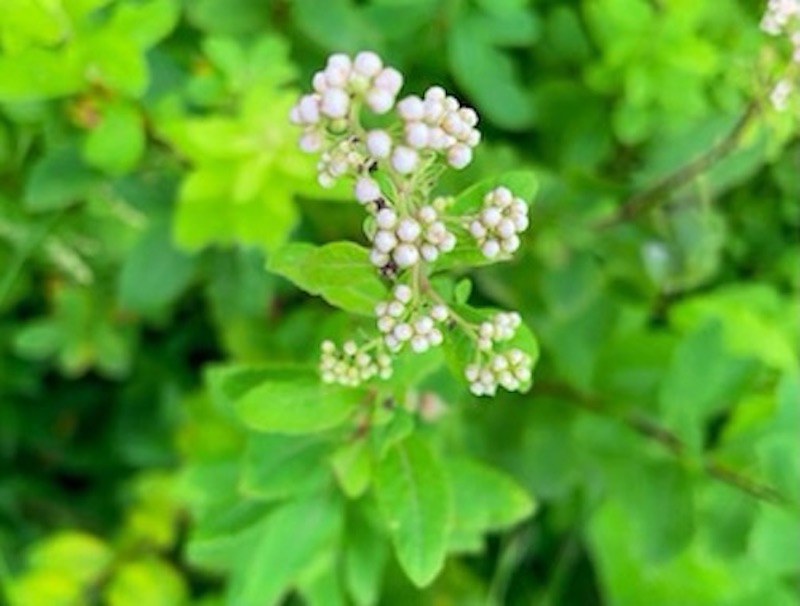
148 170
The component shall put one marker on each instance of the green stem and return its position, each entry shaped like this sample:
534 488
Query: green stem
659 191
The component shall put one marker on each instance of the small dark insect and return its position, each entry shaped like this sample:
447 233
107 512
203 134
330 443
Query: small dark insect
389 270
388 403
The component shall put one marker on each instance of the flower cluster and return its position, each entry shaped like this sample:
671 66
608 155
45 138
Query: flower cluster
407 240
782 18
510 369
401 323
393 169
501 327
497 226
438 122
352 365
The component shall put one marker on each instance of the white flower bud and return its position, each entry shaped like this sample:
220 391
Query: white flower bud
396 309
419 344
386 324
427 214
325 180
308 108
491 216
389 80
403 293
459 156
473 138
502 196
379 100
386 218
434 110
417 134
511 244
294 115
423 325
378 258
367 63
366 189
336 77
403 331
448 243
435 337
384 241
411 108
437 138
408 230
520 223
404 159
439 312
319 82
335 103
506 228
429 252
339 60
379 143
435 93
477 229
310 142
468 115
490 249
350 348
405 255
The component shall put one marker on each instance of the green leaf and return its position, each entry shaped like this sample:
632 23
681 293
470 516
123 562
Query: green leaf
117 143
415 502
339 272
703 378
57 180
146 581
291 538
487 74
365 554
352 464
73 554
296 404
484 500
154 273
278 467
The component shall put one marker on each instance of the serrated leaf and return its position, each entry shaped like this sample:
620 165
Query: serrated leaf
117 143
154 273
278 467
365 554
487 74
57 180
414 497
703 378
339 272
485 499
352 464
291 539
301 404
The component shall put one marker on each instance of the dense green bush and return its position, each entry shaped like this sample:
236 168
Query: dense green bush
164 438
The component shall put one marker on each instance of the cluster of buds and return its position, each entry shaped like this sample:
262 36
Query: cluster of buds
393 169
510 369
352 365
438 122
782 18
401 323
338 89
500 328
498 224
407 240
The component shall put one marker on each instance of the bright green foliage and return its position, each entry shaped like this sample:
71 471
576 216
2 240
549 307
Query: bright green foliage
169 267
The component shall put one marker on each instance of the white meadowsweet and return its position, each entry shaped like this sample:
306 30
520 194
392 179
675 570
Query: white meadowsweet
392 170
403 322
496 227
438 122
408 240
352 365
510 370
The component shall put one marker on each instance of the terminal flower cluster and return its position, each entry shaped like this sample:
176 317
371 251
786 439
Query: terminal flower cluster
393 152
782 18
